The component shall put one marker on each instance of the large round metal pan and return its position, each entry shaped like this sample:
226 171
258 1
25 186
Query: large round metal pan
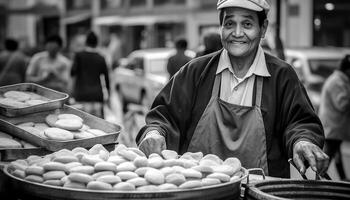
298 189
30 190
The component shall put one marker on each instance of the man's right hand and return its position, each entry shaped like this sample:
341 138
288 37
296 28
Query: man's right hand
154 142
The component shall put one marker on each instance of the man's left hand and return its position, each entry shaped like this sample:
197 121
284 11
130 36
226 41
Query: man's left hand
315 157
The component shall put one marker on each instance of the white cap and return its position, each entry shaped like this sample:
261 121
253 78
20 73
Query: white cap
256 5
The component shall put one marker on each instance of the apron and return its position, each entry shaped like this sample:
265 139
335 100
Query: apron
230 130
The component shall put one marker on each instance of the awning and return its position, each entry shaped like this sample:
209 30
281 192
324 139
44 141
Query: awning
136 20
76 18
37 9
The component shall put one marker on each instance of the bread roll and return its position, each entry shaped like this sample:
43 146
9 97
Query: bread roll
155 176
127 175
34 178
138 181
53 182
7 143
176 179
110 179
191 184
124 186
58 134
69 124
169 154
142 171
69 116
167 186
126 166
83 169
34 170
65 159
55 166
105 166
222 177
80 177
19 173
98 185
210 181
54 175
140 162
103 173
17 95
51 119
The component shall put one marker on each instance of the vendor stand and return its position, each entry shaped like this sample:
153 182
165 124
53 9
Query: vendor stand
246 186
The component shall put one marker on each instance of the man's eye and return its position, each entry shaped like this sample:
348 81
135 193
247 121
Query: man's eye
247 25
228 24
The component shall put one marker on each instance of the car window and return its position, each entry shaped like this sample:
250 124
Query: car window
323 67
157 66
135 63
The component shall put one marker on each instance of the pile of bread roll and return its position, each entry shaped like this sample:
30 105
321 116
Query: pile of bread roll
126 169
9 142
61 127
22 99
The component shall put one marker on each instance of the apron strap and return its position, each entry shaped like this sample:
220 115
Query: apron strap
259 86
216 87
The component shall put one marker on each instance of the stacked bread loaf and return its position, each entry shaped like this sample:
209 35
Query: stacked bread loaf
22 99
127 169
61 127
9 142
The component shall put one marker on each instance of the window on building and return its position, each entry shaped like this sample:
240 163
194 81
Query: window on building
78 4
137 3
112 4
169 2
330 16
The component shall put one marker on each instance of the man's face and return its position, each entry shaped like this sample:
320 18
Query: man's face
240 31
53 48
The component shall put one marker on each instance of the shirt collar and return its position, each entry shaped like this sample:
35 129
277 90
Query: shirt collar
258 66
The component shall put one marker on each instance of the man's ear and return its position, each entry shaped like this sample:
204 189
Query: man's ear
264 28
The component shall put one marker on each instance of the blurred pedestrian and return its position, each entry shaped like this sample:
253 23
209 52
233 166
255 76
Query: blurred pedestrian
13 64
178 60
212 43
90 73
334 112
50 68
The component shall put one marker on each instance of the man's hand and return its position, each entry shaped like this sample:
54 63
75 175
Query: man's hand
315 157
154 142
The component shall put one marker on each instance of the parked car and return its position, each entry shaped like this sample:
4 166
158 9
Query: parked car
142 75
313 66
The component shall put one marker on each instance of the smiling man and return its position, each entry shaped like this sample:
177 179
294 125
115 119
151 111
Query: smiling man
239 101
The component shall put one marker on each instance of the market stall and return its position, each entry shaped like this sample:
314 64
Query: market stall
64 153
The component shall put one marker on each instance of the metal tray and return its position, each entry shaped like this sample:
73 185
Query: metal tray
57 99
23 188
8 124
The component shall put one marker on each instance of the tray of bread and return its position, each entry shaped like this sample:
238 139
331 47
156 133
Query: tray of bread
63 128
126 173
13 148
25 98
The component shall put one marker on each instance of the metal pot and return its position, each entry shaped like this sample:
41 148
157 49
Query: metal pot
297 189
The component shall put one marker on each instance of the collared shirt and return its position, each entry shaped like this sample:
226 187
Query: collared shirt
236 90
42 66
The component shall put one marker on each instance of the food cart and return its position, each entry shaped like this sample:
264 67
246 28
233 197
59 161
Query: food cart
234 182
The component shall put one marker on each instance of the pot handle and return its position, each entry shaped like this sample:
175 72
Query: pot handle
255 170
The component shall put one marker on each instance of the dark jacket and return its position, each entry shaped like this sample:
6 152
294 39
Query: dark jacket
287 111
87 68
